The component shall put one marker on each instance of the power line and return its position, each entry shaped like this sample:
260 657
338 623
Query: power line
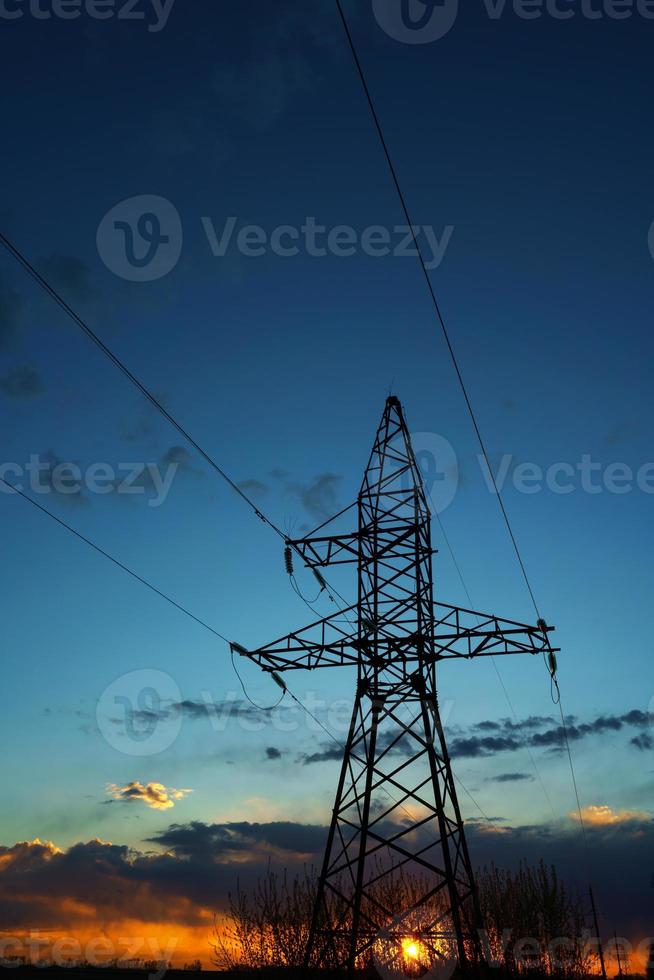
432 294
152 588
566 740
254 704
455 362
15 252
494 663
150 397
119 564
186 612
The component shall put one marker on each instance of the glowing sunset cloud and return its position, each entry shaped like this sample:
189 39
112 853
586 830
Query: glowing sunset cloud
154 795
604 816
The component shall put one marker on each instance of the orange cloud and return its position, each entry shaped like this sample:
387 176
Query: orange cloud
604 816
155 795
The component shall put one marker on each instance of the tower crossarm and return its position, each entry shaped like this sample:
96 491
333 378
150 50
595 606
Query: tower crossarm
330 642
463 634
340 549
337 549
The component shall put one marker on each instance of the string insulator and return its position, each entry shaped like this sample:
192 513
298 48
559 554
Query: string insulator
542 625
320 580
278 681
237 648
368 625
288 559
553 664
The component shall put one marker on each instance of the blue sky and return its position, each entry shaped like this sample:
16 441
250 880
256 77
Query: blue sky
531 139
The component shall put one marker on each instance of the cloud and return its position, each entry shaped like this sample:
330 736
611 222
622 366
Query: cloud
10 310
540 732
319 498
273 753
70 275
22 382
180 457
239 841
138 427
604 816
253 486
480 747
61 477
156 796
331 753
489 738
218 713
154 479
285 60
511 777
387 742
195 866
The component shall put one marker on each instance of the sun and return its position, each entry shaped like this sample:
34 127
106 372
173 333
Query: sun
410 950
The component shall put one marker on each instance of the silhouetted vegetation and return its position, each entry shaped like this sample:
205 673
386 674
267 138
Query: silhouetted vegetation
534 924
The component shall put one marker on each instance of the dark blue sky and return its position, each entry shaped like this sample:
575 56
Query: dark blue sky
532 139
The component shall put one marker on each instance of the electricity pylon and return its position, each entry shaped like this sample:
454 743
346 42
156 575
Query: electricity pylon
396 804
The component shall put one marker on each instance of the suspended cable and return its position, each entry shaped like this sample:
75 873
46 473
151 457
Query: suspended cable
119 564
432 294
566 740
15 252
259 707
459 572
232 645
454 359
139 578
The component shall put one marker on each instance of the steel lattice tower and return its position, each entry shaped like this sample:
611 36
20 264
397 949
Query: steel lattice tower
396 806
